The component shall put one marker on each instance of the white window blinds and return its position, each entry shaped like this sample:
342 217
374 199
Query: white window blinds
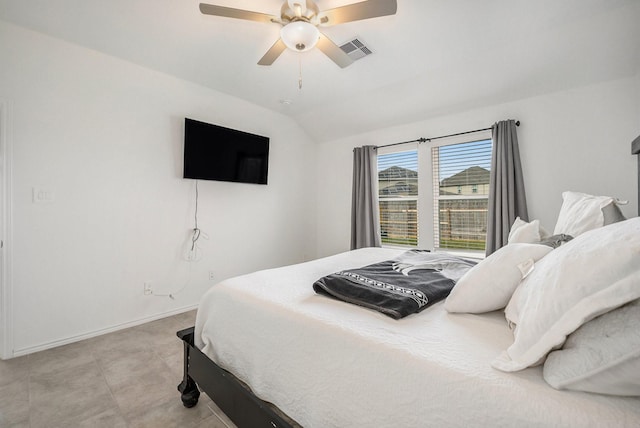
461 191
398 197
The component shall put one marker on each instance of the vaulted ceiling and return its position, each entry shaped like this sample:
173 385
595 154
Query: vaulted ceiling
433 57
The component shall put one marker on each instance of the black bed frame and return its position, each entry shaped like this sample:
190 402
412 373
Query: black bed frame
231 396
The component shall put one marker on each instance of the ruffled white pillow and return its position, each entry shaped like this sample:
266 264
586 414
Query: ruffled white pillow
586 277
488 286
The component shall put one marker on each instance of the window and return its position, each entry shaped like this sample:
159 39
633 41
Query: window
460 194
449 211
398 197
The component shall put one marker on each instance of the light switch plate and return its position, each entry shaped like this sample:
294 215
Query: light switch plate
43 195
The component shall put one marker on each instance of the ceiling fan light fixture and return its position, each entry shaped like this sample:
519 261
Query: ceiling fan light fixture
300 36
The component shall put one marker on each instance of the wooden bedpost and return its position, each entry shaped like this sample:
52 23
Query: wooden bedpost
188 387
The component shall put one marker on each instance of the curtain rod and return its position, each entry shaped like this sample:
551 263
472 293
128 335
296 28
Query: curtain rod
424 140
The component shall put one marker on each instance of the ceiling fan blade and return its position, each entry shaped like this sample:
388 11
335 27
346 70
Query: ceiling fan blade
312 7
358 11
210 9
273 53
333 51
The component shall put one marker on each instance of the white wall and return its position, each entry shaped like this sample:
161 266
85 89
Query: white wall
577 139
637 96
105 136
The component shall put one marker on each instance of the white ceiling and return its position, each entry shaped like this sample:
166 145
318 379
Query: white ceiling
433 57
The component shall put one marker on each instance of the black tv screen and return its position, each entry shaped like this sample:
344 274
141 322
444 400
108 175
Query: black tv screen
212 152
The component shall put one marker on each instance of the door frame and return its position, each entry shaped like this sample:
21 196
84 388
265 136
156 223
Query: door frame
6 285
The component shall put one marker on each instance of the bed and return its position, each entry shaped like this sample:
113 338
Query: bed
271 352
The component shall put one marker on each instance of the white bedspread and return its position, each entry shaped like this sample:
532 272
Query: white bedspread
327 363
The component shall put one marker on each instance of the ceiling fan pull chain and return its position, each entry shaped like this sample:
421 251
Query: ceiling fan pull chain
300 75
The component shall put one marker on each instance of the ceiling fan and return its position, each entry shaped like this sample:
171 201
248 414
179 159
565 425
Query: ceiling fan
300 20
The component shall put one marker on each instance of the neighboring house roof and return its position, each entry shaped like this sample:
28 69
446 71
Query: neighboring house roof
472 175
400 189
397 173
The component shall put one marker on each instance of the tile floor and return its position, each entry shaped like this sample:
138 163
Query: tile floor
124 379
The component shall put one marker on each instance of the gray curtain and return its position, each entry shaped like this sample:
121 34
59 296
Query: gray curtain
365 217
507 198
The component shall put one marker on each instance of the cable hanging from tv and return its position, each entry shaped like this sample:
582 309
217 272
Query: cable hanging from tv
196 231
193 254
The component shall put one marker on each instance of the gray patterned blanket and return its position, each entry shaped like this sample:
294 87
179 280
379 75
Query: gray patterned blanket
399 287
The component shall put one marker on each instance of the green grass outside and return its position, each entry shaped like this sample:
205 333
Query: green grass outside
399 241
462 244
452 244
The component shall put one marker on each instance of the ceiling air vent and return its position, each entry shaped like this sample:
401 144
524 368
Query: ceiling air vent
356 49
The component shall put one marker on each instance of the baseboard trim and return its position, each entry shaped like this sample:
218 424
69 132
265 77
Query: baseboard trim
89 335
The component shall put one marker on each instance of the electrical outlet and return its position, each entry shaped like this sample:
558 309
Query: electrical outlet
212 276
147 288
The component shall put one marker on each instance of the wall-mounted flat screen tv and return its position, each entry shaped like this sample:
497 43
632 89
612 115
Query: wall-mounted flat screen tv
212 152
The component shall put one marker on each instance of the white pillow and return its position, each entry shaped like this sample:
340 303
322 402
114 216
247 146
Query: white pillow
602 356
488 286
586 277
580 213
523 232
